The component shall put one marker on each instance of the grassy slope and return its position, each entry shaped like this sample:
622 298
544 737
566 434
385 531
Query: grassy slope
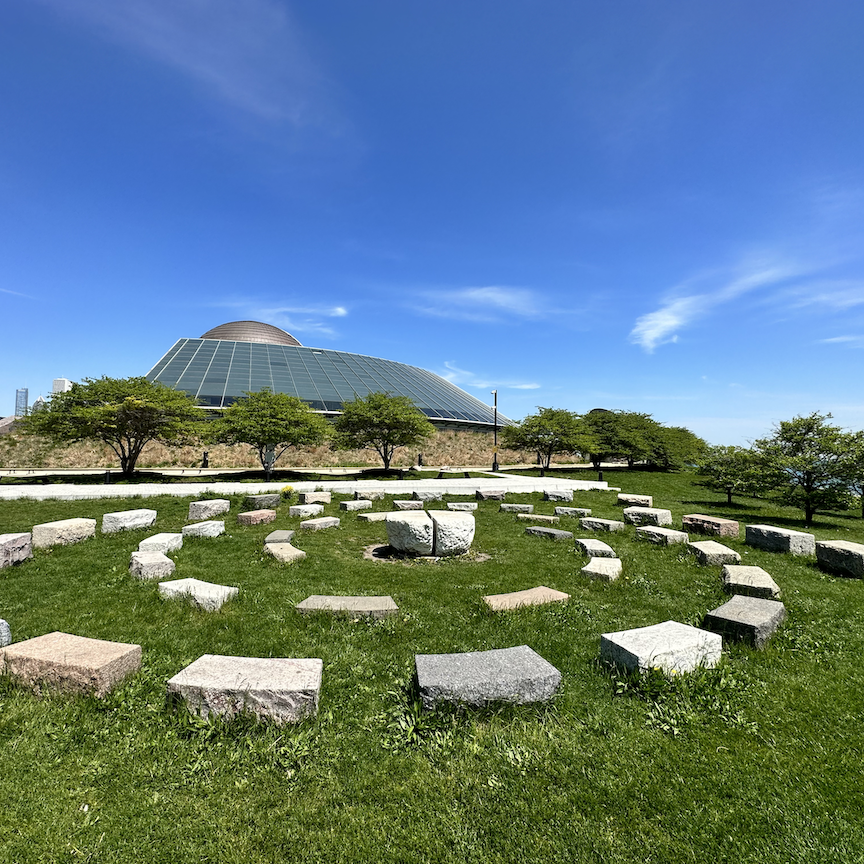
759 761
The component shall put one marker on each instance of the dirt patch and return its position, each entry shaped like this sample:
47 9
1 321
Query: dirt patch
385 552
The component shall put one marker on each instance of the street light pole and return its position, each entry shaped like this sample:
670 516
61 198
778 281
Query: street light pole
495 433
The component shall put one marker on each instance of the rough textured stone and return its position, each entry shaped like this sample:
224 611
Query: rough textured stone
411 532
647 516
464 506
751 581
548 533
635 500
73 664
697 523
711 553
320 523
606 569
453 532
315 497
205 595
573 512
779 539
280 536
516 508
150 565
62 532
661 536
280 689
284 552
163 543
370 494
5 633
372 517
592 523
595 548
408 505
369 607
256 517
840 556
670 646
538 596
748 619
15 548
423 495
490 494
538 517
358 504
212 528
477 678
127 520
557 494
263 502
304 511
200 510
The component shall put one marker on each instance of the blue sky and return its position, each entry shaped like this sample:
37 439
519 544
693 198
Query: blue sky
649 206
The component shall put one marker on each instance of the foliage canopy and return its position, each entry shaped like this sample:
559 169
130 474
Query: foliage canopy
549 431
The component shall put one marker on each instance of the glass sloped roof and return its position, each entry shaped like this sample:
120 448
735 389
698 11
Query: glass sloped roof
218 372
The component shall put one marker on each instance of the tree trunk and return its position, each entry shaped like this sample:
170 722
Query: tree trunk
809 511
728 496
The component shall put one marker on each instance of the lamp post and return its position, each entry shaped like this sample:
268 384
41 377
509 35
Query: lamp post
495 432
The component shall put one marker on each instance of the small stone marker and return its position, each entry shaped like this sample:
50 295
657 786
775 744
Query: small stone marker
315 497
370 607
411 532
635 500
548 533
595 548
256 517
697 523
750 581
163 543
359 504
840 556
372 517
5 633
408 505
15 548
212 528
73 664
538 517
538 596
670 646
263 502
425 495
606 569
304 511
518 675
574 512
320 524
205 595
661 536
748 619
63 532
150 565
200 510
127 520
516 508
557 494
369 495
647 516
779 539
592 523
280 536
464 506
490 494
453 532
280 689
711 553
284 552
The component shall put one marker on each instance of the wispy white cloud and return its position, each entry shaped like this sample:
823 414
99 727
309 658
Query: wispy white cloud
463 377
842 340
838 294
16 293
491 303
294 319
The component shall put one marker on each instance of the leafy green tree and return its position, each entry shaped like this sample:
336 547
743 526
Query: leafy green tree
380 422
855 466
806 462
674 447
124 413
550 431
270 423
729 469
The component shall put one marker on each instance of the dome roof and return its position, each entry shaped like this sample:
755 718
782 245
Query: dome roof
250 331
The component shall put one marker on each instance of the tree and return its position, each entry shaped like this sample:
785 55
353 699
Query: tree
380 422
731 469
806 461
550 431
855 466
675 447
124 413
270 423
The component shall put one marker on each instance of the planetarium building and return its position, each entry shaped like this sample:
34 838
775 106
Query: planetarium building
246 356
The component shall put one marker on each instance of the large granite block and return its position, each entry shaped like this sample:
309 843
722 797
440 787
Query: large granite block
412 532
779 539
163 543
5 633
15 548
697 523
516 508
840 556
372 517
592 523
150 565
284 552
751 581
304 511
320 523
358 504
408 505
127 520
661 536
200 510
748 619
490 494
280 536
711 553
647 516
370 495
73 664
213 528
538 596
605 569
453 532
62 532
256 517
557 494
672 647
268 501
538 517
280 689
595 548
426 495
205 595
366 607
477 678
462 505
548 533
315 497
635 500
573 512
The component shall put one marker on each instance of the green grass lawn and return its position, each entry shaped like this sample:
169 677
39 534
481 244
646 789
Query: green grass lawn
759 760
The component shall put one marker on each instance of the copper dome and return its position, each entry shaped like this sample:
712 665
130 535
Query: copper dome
250 331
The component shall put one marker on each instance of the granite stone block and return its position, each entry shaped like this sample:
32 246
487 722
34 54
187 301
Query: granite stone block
205 595
840 557
548 533
15 548
150 565
661 536
711 553
320 524
358 607
62 532
595 548
697 523
748 619
201 510
212 528
538 596
604 569
592 523
779 539
750 581
671 647
163 543
647 516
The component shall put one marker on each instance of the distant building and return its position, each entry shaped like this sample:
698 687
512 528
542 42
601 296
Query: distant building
39 404
61 385
21 402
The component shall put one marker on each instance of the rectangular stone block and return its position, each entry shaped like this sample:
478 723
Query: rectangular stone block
316 497
750 581
408 505
557 494
256 517
358 504
372 517
839 556
127 520
304 511
15 548
63 532
280 536
592 523
367 607
320 524
548 533
150 565
538 517
635 500
748 619
413 533
200 510
163 543
490 494
595 548
72 664
454 532
267 501
284 552
672 647
779 539
5 633
466 506
647 516
370 495
573 512
711 553
538 596
212 528
425 495
697 523
205 595
605 569
516 508
661 536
